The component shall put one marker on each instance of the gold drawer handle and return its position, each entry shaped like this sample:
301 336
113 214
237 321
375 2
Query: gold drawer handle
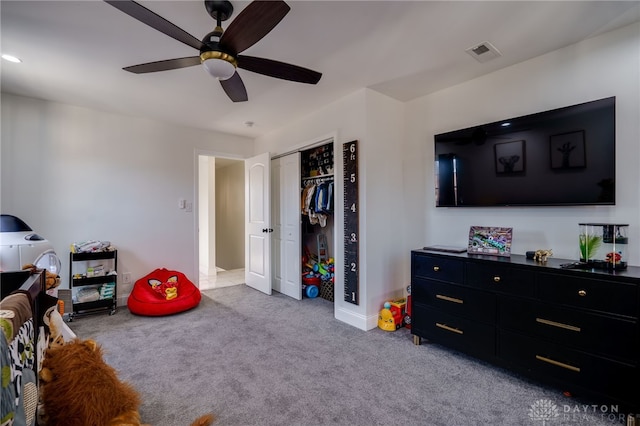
558 324
582 293
558 363
446 327
449 299
496 279
436 268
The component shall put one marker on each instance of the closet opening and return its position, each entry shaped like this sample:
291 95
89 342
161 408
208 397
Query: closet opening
303 241
317 222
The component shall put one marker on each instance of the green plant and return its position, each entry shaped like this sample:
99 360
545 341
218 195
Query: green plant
589 245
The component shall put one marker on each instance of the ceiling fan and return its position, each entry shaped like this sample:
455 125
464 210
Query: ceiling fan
220 50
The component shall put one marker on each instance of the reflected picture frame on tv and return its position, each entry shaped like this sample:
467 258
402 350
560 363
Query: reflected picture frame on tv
566 150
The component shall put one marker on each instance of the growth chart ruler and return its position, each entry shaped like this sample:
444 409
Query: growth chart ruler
351 214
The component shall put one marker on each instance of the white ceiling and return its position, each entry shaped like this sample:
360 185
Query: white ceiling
73 52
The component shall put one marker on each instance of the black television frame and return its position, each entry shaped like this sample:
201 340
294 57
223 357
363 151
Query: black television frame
473 170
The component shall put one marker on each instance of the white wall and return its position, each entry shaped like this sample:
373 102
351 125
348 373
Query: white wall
206 251
75 174
211 216
608 65
229 213
382 196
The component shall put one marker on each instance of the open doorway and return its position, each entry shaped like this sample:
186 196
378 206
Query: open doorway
221 217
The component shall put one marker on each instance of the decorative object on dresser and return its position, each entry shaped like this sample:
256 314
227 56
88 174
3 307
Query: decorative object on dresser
571 328
603 245
490 240
542 255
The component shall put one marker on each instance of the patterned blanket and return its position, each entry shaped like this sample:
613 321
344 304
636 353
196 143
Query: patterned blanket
19 392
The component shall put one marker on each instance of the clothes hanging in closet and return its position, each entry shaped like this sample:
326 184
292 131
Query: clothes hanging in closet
317 201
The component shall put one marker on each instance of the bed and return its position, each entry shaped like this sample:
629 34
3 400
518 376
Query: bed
23 341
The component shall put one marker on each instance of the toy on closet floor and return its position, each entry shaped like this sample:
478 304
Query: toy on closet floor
310 286
315 273
392 315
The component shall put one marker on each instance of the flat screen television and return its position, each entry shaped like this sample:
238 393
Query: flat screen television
560 157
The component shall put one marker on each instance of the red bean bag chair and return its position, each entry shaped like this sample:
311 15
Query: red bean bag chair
163 292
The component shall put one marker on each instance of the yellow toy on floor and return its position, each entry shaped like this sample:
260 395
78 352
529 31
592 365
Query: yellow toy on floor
80 389
392 315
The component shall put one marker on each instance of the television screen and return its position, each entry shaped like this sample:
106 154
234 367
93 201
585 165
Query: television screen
564 156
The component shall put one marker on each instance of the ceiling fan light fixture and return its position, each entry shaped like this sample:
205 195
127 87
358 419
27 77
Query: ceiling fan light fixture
218 64
220 49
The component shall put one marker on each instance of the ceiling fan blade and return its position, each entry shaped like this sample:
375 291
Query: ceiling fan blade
278 69
254 22
166 65
156 21
234 88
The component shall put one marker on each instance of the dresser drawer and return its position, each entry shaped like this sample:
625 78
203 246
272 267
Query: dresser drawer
437 268
505 279
547 360
594 333
599 295
459 333
455 300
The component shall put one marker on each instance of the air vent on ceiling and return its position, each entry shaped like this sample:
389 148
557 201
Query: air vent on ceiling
484 52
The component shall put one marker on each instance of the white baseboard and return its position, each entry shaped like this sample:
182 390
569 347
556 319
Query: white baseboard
362 322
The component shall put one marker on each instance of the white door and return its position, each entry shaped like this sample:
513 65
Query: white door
287 246
258 230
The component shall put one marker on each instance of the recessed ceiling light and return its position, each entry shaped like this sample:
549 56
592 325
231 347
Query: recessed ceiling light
506 124
11 58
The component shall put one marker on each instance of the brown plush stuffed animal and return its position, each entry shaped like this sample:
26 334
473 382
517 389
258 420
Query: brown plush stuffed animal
51 280
80 389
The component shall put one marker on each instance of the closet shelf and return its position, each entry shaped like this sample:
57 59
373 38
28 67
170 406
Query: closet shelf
328 175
